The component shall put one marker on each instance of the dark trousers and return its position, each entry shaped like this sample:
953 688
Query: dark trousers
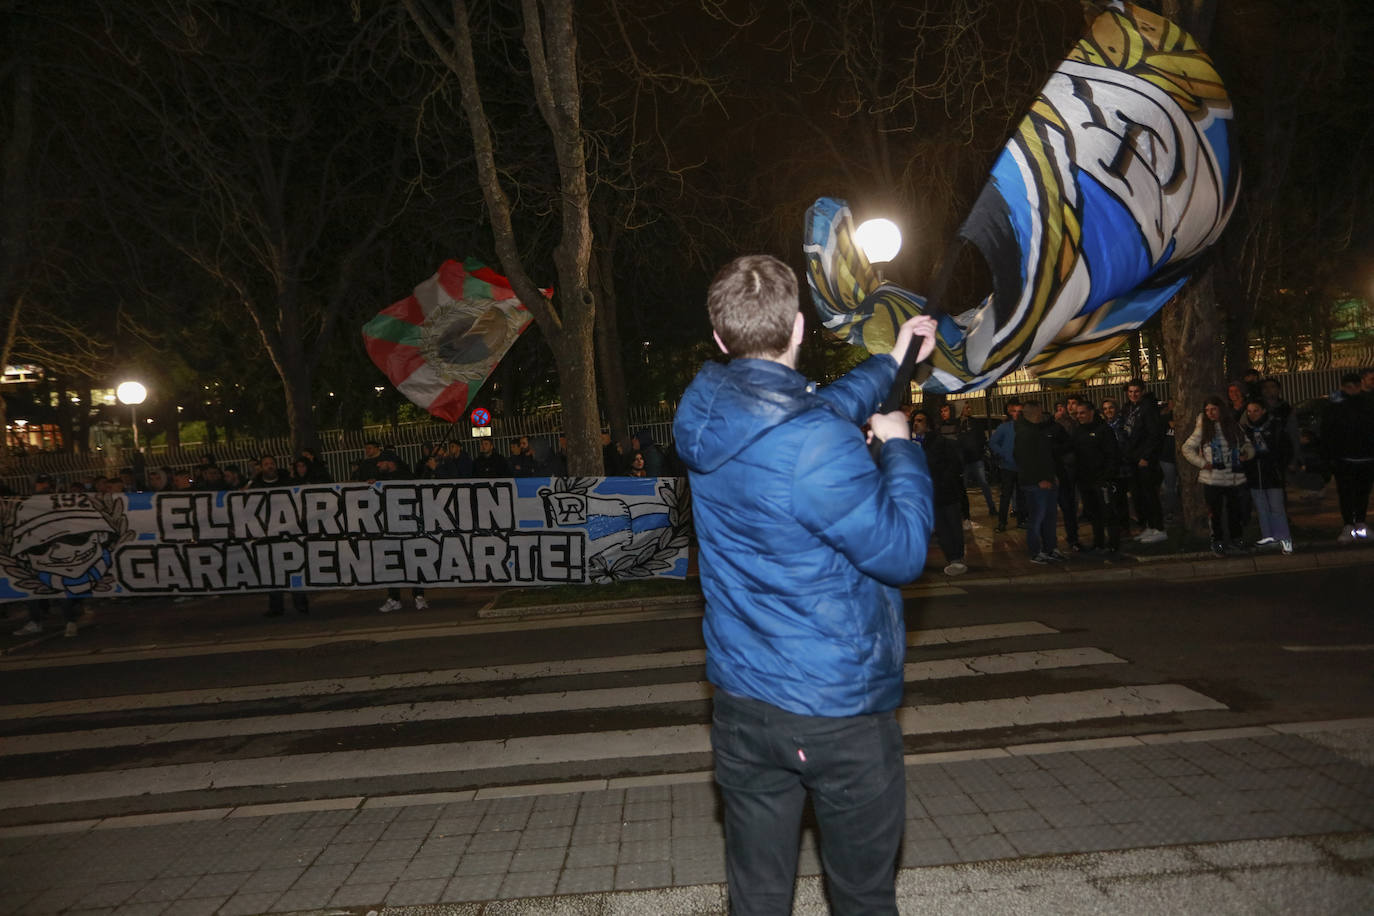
1068 507
767 760
949 531
38 607
976 475
1118 505
1100 510
1041 536
1011 493
396 593
276 602
1145 491
1225 507
1354 480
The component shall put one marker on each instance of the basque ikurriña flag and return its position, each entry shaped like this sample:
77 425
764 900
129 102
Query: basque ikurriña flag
439 344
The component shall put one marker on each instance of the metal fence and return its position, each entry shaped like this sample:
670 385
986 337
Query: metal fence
341 448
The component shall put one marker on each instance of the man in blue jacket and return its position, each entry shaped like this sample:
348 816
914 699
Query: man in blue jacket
803 543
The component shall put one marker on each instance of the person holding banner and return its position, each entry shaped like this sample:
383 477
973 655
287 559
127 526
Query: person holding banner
804 541
269 476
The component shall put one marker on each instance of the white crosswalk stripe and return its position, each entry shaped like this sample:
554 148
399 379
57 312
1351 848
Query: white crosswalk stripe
520 704
219 740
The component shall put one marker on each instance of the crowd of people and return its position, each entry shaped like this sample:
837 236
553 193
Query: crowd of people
1110 468
448 460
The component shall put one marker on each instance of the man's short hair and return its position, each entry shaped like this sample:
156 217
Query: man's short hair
1084 402
1006 409
1136 383
1350 378
753 305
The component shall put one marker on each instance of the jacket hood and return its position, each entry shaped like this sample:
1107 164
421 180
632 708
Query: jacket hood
730 406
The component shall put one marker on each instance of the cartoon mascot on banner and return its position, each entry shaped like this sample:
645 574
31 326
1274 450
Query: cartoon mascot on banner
61 543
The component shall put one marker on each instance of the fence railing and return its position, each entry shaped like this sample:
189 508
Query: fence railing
340 448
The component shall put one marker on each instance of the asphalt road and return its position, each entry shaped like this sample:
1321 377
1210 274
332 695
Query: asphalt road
324 711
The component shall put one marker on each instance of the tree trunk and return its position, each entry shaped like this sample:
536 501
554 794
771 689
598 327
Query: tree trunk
83 416
14 197
294 367
551 44
610 367
1192 340
1192 323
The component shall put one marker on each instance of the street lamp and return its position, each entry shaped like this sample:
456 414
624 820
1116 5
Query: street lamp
880 240
133 394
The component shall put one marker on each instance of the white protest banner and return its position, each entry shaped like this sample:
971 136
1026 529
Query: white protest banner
433 533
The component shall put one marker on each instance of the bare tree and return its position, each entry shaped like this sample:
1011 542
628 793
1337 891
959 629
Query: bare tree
239 146
15 196
550 45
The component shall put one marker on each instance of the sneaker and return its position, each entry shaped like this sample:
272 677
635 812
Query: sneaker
1236 548
1000 528
1347 535
1152 536
70 631
971 525
32 628
1056 556
1267 542
956 569
1041 559
389 605
420 603
1218 548
1287 546
1360 532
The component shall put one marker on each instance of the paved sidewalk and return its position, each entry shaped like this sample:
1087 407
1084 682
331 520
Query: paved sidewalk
1006 817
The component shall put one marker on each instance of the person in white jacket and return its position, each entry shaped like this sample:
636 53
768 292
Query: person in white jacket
1219 449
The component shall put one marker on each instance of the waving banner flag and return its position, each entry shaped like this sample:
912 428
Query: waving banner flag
1100 204
439 344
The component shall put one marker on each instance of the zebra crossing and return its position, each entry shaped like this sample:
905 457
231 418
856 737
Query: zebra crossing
479 727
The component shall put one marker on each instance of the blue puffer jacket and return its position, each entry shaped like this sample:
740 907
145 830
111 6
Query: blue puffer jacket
803 539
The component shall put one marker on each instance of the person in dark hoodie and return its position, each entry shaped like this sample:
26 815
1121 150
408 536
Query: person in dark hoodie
947 485
1142 436
1035 444
1264 473
391 467
643 443
804 541
1096 459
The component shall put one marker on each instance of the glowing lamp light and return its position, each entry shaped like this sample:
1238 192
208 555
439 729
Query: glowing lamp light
131 393
880 240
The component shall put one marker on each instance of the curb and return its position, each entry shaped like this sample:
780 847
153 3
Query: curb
625 605
1182 566
1157 568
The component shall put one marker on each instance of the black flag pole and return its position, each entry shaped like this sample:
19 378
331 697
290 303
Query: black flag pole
934 309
